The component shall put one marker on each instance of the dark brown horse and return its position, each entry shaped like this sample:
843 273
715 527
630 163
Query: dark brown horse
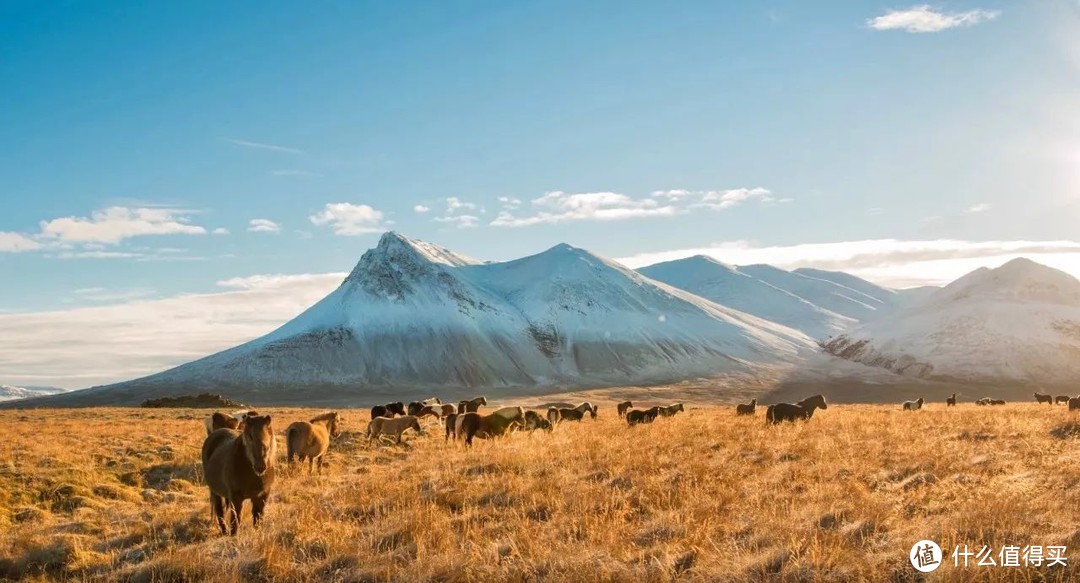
1041 398
997 401
636 416
804 409
472 406
748 409
1074 403
220 420
951 401
239 466
388 410
1061 399
623 407
534 421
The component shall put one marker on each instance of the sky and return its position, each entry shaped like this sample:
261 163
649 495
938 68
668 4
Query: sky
163 166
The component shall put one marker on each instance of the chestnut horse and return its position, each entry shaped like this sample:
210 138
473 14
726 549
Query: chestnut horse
239 466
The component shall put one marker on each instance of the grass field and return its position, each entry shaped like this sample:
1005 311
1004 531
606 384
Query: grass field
116 494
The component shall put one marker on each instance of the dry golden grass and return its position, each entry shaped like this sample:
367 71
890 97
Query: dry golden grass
116 494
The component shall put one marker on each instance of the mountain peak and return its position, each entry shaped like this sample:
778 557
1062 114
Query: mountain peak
1018 279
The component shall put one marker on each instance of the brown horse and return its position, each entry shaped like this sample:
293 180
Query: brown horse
951 401
446 409
793 412
220 420
380 426
914 405
472 406
310 439
430 411
451 425
1041 398
1061 399
636 416
239 466
623 407
534 421
748 409
1074 403
388 410
469 425
671 410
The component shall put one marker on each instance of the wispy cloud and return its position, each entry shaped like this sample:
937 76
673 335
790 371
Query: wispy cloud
16 243
91 345
420 209
263 226
351 219
262 146
101 294
220 231
893 262
460 213
561 207
115 224
923 19
978 208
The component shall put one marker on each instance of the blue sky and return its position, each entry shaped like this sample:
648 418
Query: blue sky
638 130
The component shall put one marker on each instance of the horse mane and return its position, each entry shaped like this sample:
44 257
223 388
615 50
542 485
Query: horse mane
324 417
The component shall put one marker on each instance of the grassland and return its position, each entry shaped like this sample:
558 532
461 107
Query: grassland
116 494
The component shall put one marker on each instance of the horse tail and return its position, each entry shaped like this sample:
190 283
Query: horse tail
770 414
290 448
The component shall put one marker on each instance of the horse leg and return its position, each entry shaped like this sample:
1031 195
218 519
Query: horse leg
217 506
320 465
258 506
237 504
310 465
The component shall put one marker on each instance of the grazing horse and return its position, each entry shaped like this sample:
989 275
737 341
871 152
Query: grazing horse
534 421
219 420
913 405
310 439
747 409
792 412
623 407
430 411
997 401
556 415
239 466
951 401
472 406
395 426
636 416
1074 403
983 401
473 424
1061 399
414 408
1041 398
671 410
446 409
388 410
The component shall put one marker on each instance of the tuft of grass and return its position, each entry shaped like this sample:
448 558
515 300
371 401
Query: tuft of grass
117 494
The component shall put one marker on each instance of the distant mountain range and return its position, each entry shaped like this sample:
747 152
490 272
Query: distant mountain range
414 318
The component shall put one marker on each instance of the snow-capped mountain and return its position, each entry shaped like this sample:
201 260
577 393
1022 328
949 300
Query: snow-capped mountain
11 392
826 294
1018 323
414 317
730 286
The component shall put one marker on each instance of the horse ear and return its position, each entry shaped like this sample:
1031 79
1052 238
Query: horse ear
267 417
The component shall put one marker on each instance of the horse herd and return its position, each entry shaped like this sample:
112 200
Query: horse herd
240 449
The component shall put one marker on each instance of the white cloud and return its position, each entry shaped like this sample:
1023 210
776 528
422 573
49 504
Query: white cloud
220 231
562 207
978 208
351 219
923 18
460 213
85 346
263 226
462 221
891 262
117 223
509 202
16 243
262 146
421 208
101 294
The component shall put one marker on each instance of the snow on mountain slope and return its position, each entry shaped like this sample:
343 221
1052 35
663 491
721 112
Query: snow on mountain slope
1017 323
885 296
820 292
729 286
11 392
412 315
